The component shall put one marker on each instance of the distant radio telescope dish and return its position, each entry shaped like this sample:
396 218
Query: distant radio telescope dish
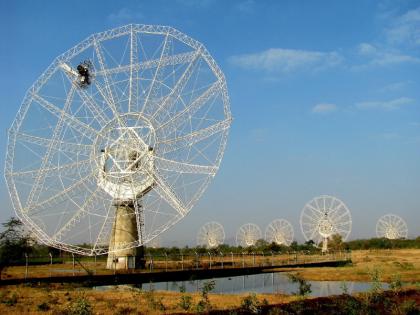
211 235
279 231
248 234
324 216
117 140
391 226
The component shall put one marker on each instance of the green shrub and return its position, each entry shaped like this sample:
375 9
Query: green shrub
80 306
154 302
344 288
186 300
395 284
304 288
251 305
204 304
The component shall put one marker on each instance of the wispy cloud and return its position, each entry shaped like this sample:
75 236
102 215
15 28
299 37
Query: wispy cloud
385 105
366 49
125 15
389 136
324 108
395 86
405 29
245 6
379 56
286 60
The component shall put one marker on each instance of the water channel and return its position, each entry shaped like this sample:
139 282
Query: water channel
259 283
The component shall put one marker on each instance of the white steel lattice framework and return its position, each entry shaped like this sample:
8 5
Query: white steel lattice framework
248 234
323 217
151 126
392 227
279 231
211 235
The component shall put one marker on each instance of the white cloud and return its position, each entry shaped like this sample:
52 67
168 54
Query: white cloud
405 29
286 60
324 108
385 105
124 15
396 86
393 58
366 49
379 56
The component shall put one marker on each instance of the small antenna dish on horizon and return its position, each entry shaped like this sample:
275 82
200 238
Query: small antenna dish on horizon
324 216
391 226
211 235
248 234
279 231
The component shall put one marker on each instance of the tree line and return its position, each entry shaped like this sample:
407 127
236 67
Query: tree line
15 243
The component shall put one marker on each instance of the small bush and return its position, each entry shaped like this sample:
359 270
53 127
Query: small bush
43 307
154 302
9 300
304 288
376 286
404 265
395 284
250 304
344 288
204 304
410 307
186 300
80 306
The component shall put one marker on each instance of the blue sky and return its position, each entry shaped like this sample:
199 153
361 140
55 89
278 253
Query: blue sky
325 98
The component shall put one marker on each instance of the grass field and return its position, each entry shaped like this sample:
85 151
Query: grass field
389 263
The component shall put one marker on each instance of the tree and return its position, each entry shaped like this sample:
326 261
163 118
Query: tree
14 243
336 242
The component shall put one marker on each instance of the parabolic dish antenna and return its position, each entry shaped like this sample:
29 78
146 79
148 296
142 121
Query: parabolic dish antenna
211 235
117 140
248 234
279 231
324 216
391 226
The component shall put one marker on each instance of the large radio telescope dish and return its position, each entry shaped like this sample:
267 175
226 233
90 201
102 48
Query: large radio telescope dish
248 234
323 217
211 235
279 231
391 226
135 117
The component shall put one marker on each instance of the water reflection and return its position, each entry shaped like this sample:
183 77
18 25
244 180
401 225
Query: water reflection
263 283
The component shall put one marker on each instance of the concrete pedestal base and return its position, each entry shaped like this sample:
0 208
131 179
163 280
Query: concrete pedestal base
124 231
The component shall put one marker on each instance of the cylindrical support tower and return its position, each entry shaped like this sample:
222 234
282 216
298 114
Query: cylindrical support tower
124 231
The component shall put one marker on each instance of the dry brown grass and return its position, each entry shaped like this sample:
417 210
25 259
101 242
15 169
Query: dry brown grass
403 262
116 301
